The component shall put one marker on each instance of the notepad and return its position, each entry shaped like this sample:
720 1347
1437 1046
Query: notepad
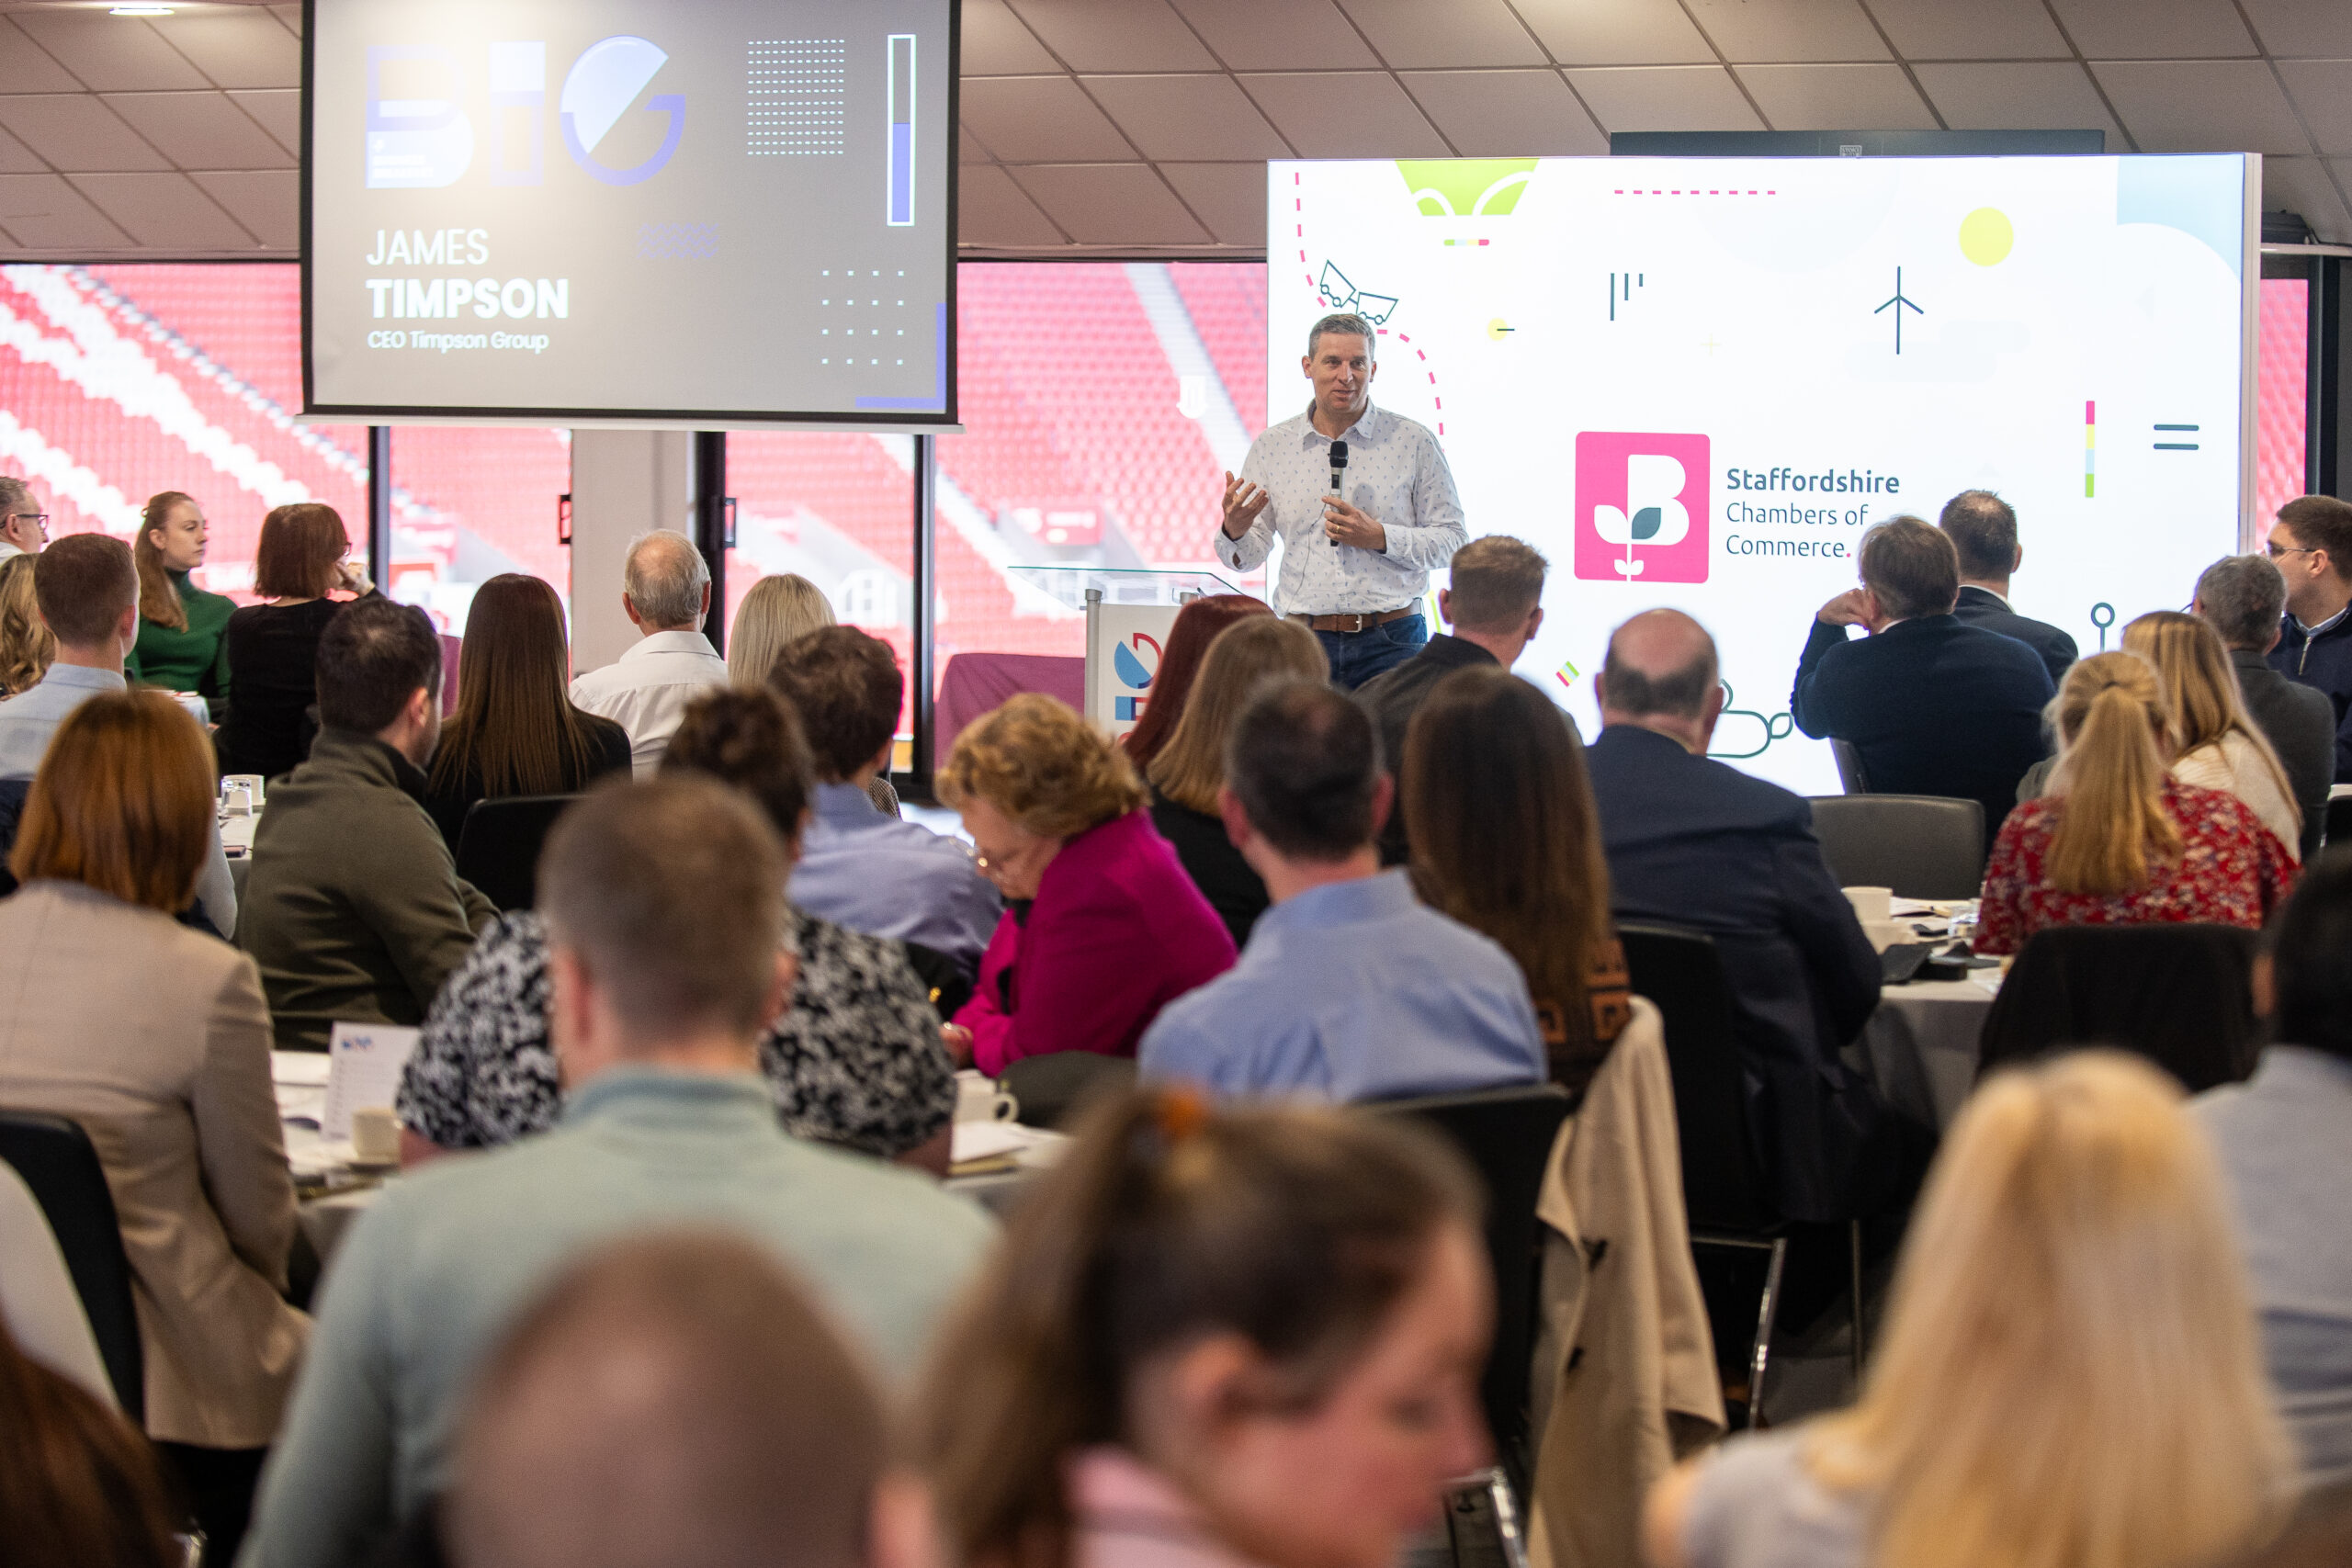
364 1065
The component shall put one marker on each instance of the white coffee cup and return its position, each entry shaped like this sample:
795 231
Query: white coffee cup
1872 905
977 1099
1884 934
376 1136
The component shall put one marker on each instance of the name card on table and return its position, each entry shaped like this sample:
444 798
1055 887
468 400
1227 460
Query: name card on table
364 1065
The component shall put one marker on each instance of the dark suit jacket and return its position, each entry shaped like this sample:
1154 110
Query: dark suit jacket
1935 708
1693 842
1984 608
1393 697
2299 723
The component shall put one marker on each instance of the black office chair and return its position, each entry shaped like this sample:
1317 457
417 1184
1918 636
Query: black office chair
498 847
1053 1089
1725 1189
1850 777
54 1156
2339 820
1923 846
948 982
2181 996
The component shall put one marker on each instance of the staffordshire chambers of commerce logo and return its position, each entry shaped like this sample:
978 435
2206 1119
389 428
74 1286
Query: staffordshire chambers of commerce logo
419 136
1641 507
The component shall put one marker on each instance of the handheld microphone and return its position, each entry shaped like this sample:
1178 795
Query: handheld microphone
1338 476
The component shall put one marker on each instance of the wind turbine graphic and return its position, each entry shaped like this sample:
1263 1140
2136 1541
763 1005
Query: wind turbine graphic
1898 304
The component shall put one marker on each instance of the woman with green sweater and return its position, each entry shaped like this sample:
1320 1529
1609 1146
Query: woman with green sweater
179 646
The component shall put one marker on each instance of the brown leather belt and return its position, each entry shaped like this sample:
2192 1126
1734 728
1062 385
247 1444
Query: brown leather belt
1356 621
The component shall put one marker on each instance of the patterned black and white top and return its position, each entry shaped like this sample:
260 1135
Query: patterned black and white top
855 1060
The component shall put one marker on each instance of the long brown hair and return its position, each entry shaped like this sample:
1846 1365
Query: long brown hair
158 601
1298 1229
513 726
2110 778
78 1486
122 803
28 648
1507 840
1196 626
2203 705
1253 650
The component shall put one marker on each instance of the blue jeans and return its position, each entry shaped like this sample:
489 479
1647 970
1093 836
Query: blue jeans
1357 657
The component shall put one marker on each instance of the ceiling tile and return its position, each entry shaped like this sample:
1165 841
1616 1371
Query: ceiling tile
2322 90
1410 33
2307 28
1663 97
991 210
75 133
2033 95
1616 32
1203 119
2138 29
268 202
1229 197
1788 29
110 54
1115 35
1035 120
1981 30
26 67
2202 106
290 17
164 212
1837 98
996 44
2301 184
1111 204
1346 114
969 149
16 158
43 213
279 111
1278 34
236 47
200 131
1506 114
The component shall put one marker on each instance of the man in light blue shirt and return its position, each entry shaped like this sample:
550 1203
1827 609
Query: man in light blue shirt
859 868
664 907
1349 989
89 592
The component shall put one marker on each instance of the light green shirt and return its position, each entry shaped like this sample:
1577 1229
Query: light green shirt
432 1275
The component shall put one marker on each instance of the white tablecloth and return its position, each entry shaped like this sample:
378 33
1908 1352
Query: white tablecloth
1921 1045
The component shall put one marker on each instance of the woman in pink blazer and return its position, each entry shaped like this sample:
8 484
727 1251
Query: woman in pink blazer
1101 927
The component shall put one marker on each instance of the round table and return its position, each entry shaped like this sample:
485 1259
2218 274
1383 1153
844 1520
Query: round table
1920 1045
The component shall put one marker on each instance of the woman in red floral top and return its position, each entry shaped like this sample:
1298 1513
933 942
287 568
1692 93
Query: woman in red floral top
2120 842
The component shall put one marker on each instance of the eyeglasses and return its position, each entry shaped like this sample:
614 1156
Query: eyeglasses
40 517
2277 550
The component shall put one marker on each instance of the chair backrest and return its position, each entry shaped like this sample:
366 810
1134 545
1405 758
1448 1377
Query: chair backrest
2181 996
498 847
1923 846
1723 1180
2339 820
57 1161
42 1311
1506 1134
1054 1087
1850 777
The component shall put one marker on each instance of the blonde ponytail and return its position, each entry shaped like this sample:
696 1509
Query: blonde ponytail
2111 820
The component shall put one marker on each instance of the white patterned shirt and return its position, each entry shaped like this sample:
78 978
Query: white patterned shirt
647 690
1396 476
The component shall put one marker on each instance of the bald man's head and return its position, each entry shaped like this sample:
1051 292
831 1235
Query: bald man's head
666 580
673 1401
1661 666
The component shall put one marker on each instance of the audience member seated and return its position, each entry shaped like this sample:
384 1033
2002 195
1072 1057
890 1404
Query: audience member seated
2312 543
666 595
28 648
1983 533
1507 841
777 611
2072 1240
155 1040
515 731
352 907
859 868
1197 626
733 1427
1495 606
180 646
273 647
1350 989
666 924
2287 1164
78 1485
1693 842
2245 598
2209 738
2118 841
1250 1337
1932 706
1189 772
854 1060
88 593
1102 928
24 526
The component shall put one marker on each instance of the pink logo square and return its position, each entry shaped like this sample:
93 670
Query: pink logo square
1641 507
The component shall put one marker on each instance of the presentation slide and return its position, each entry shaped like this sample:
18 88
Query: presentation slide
735 210
1696 382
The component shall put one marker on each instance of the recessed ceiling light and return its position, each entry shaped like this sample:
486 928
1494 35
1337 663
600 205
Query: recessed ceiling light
141 11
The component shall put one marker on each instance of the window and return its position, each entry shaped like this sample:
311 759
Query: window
471 502
2282 391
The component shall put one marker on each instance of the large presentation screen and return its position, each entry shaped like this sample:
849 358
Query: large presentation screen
1695 382
726 212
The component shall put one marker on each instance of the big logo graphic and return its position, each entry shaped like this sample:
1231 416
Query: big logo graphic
422 138
1641 507
1135 676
